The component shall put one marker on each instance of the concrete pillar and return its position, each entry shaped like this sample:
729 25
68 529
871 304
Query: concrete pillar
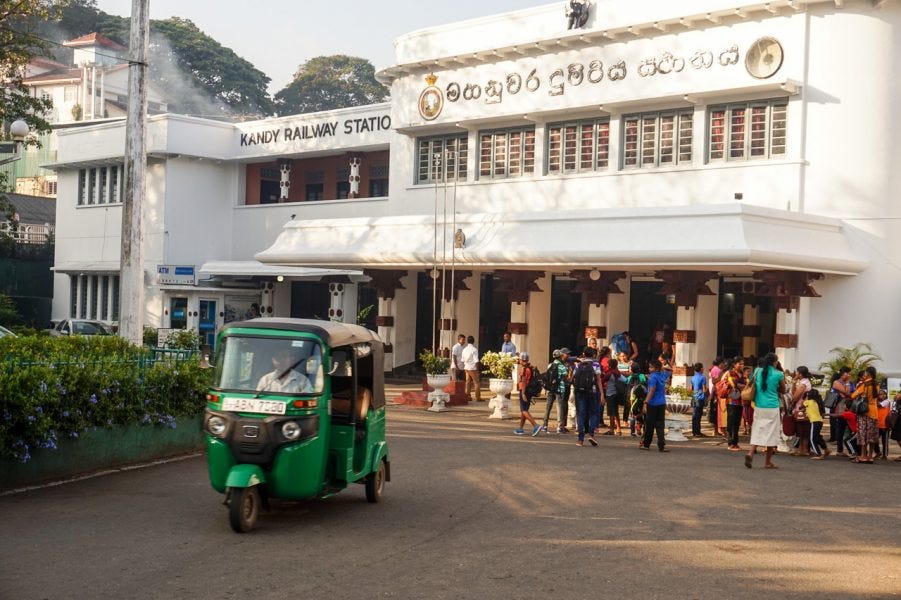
350 303
93 92
103 94
110 290
750 330
786 338
385 322
336 302
267 300
707 314
519 325
467 308
284 184
448 326
539 319
79 284
354 177
597 324
685 342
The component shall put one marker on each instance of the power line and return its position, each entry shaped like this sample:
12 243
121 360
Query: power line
62 45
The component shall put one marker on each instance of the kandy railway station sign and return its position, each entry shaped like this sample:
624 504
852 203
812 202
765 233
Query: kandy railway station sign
317 130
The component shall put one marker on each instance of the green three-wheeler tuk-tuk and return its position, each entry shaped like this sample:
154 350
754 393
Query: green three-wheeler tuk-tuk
296 411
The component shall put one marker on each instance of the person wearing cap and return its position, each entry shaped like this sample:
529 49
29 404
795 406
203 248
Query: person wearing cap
526 372
558 390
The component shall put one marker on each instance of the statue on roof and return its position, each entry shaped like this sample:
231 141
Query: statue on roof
577 13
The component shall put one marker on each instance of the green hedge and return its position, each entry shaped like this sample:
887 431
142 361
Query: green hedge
55 388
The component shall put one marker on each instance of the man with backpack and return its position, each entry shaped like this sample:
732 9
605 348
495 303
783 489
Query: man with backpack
587 385
527 389
556 383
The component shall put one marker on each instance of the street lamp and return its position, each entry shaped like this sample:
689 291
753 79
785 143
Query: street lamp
18 131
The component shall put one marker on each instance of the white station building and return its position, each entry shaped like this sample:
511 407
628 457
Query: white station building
719 169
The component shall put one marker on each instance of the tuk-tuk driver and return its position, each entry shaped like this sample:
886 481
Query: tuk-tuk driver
284 377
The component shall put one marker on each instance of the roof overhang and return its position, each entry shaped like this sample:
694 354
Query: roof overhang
252 268
731 239
103 266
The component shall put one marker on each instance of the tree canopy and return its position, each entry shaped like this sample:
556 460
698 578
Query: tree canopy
330 82
18 44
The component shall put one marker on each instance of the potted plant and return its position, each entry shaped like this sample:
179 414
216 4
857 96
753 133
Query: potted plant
499 365
435 367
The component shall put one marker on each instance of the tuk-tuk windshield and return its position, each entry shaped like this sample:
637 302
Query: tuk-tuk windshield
270 365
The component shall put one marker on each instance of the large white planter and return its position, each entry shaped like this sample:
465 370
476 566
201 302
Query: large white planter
500 403
678 418
438 397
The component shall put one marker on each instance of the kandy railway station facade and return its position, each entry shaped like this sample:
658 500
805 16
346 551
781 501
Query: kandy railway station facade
722 167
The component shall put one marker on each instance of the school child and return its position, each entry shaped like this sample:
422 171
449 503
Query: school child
747 412
813 406
638 390
699 389
883 408
851 433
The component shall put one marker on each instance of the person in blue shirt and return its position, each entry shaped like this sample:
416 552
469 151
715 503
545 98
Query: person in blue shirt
655 407
698 399
508 346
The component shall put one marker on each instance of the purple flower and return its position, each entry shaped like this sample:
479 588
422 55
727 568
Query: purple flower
31 418
43 387
93 398
73 434
66 414
38 410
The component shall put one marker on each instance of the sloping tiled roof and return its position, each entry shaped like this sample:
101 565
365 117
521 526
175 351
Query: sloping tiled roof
94 39
67 74
33 210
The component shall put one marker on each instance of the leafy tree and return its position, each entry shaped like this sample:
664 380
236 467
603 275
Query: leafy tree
9 314
226 78
330 82
857 357
18 44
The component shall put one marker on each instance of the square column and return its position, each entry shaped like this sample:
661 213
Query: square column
385 323
597 324
750 330
786 338
685 337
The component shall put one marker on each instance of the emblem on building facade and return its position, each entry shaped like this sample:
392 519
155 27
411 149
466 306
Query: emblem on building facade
576 13
431 100
764 58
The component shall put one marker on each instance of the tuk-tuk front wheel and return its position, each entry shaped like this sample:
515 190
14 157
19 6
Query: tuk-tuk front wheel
375 484
243 508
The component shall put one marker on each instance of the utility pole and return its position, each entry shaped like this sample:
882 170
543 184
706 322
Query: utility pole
131 280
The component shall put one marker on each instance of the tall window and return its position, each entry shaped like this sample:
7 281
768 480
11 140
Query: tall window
100 185
577 147
442 158
91 296
657 139
507 153
747 130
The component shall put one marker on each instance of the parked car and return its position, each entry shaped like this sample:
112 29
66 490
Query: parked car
80 327
6 332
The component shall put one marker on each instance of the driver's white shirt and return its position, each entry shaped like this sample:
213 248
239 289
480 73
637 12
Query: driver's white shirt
292 383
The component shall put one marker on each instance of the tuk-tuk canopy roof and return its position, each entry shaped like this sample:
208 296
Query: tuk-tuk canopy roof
332 333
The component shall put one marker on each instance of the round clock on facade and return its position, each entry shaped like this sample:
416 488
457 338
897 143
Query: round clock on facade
764 58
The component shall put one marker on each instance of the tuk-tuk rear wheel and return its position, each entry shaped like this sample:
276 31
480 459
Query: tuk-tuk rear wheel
375 484
243 508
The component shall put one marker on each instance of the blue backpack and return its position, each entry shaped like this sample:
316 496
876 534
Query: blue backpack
621 344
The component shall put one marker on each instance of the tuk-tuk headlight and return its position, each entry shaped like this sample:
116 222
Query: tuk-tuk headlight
291 430
217 425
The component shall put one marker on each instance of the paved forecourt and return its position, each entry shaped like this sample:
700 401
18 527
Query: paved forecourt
475 512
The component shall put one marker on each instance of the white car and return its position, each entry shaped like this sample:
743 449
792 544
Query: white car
80 327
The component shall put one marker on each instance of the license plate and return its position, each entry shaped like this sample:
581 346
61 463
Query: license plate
254 405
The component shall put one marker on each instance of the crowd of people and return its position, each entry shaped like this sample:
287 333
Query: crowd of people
764 401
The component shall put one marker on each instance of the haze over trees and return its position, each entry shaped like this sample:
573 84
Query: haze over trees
199 75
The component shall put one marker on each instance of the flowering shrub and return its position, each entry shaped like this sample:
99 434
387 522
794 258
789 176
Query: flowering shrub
434 364
55 388
498 364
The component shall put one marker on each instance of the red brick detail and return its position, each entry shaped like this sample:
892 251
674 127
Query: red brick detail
685 336
683 371
388 348
447 324
384 321
788 303
785 340
595 331
752 331
519 328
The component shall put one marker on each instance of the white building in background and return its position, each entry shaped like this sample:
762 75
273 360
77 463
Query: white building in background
93 88
721 170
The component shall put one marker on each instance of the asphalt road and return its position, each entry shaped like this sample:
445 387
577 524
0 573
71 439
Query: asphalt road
475 512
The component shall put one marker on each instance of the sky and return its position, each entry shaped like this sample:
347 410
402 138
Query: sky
278 35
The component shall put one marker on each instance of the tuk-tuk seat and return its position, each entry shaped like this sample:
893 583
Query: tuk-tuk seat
341 406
